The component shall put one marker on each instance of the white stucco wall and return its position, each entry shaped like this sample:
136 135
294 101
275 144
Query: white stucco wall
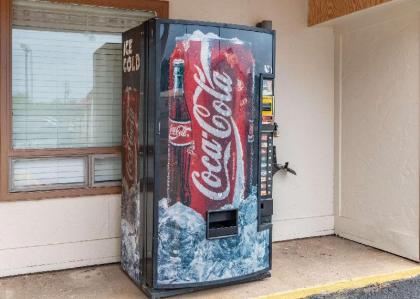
377 126
58 233
63 233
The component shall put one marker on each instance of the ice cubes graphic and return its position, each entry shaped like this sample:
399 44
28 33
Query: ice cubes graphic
130 229
129 250
186 256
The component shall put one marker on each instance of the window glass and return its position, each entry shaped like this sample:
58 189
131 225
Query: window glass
48 173
106 169
66 89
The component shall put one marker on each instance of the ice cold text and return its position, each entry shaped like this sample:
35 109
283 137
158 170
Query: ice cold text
131 61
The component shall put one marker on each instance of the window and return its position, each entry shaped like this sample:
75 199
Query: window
106 170
63 110
48 173
66 89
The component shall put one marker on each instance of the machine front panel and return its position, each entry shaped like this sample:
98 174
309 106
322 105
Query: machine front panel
209 154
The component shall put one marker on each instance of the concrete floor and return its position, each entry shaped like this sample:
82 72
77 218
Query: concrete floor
296 264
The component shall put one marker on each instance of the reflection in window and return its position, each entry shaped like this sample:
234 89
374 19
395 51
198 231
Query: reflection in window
66 89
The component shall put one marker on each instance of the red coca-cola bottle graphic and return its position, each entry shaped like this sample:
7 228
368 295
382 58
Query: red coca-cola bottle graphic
180 142
218 89
211 122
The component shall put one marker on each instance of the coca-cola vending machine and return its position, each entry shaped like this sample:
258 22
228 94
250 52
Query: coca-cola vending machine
198 121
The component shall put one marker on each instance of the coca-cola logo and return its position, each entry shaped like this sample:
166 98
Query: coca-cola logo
130 138
216 129
130 146
179 132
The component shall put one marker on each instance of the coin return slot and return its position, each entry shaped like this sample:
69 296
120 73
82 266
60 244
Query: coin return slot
222 223
266 208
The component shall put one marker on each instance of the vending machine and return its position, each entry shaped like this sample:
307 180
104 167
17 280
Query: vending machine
198 123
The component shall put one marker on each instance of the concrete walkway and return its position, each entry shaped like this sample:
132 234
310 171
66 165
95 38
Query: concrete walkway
296 264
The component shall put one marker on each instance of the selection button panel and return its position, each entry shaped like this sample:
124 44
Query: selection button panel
266 167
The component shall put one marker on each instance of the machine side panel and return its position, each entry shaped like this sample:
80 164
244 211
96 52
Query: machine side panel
132 221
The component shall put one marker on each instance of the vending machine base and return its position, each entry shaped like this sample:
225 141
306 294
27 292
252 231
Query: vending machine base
165 293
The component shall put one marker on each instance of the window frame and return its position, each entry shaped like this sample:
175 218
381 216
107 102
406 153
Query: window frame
7 153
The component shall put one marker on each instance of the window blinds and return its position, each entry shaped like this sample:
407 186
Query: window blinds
48 173
66 72
106 169
66 89
67 172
